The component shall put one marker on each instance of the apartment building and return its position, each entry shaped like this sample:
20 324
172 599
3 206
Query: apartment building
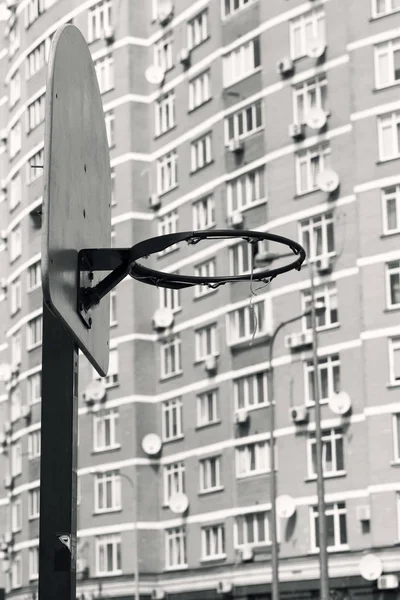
279 116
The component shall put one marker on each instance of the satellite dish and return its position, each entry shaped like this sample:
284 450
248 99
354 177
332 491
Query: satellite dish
285 506
179 503
96 390
163 318
340 403
370 567
154 74
5 372
316 47
316 118
328 180
151 443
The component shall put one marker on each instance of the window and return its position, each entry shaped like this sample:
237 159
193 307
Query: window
33 10
15 296
16 515
207 408
171 362
37 58
34 503
113 309
16 406
108 554
34 276
35 113
204 213
309 95
16 348
241 62
14 40
252 529
167 172
394 360
197 30
113 195
175 547
112 378
206 342
309 163
15 243
34 563
35 166
317 236
172 419
105 73
393 284
304 29
247 321
213 541
387 63
252 459
391 209
170 299
34 333
163 53
396 437
329 378
335 517
383 7
34 444
14 89
15 139
109 118
246 190
105 430
165 113
244 122
99 18
199 90
389 136
15 191
34 387
200 153
16 455
174 480
205 269
210 474
168 224
107 492
332 453
250 391
230 7
327 295
16 571
241 257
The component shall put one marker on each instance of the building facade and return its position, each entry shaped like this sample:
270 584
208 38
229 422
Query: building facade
278 116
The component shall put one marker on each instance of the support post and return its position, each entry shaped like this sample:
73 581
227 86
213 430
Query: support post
58 462
322 531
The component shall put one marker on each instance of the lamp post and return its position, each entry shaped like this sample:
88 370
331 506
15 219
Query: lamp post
136 572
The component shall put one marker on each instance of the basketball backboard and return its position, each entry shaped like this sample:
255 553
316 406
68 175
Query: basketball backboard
77 189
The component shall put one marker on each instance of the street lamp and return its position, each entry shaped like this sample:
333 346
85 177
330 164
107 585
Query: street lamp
135 528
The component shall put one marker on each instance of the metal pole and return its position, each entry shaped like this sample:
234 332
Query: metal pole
323 552
273 486
58 462
136 571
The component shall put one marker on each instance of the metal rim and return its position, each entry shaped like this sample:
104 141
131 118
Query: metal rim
173 280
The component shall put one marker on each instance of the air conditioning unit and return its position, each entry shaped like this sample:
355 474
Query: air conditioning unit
324 265
8 482
184 57
108 34
224 587
165 16
210 364
7 427
285 66
236 145
158 594
236 219
296 130
26 411
295 341
363 512
8 537
241 416
388 582
299 414
154 201
246 554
